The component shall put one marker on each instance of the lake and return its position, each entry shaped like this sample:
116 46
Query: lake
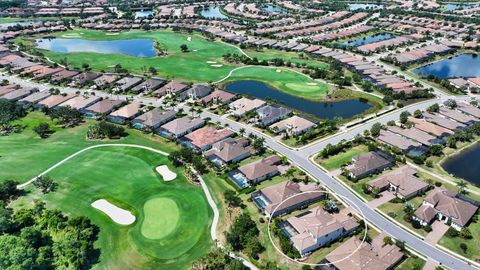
464 65
320 109
364 6
133 47
213 12
368 39
453 7
273 9
143 14
465 165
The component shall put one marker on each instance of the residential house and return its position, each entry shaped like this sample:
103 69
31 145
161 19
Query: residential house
402 182
104 80
255 172
316 228
17 94
173 87
4 89
63 75
34 98
203 138
197 91
395 140
293 126
102 107
218 97
286 197
127 83
469 109
374 255
458 116
228 151
153 119
445 205
148 86
54 100
268 114
243 105
431 128
84 78
125 113
368 163
442 121
416 135
81 102
180 126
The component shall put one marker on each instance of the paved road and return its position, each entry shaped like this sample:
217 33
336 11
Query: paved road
301 159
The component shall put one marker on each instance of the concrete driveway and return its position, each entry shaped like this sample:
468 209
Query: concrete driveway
385 196
438 230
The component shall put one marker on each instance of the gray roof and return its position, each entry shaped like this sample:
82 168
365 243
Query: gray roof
155 116
182 125
269 114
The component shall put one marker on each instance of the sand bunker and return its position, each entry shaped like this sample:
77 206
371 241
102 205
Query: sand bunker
195 50
117 214
71 36
189 38
216 65
111 34
278 70
211 62
165 172
312 83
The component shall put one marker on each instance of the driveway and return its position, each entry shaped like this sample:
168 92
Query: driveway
430 265
385 196
438 230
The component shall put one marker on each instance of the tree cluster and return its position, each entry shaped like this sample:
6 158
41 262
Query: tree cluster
9 112
243 236
105 130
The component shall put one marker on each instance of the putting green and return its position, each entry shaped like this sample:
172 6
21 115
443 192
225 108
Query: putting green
161 218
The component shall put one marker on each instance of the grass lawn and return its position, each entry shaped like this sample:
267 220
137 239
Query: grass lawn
473 245
172 218
411 263
34 155
396 211
358 186
336 161
193 66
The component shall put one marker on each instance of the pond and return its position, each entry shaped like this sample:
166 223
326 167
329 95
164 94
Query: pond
464 65
269 8
461 165
364 6
213 12
143 14
24 23
133 47
320 109
453 7
367 40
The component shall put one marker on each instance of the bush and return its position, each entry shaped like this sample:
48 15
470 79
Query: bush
451 232
43 130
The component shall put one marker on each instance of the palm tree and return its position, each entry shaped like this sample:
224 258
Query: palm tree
462 186
242 131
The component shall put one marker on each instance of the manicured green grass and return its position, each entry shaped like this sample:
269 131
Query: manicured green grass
189 66
193 66
397 209
336 161
160 213
358 186
125 177
286 80
24 155
411 263
473 245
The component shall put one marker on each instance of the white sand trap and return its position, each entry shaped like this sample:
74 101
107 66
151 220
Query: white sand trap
279 70
111 34
216 65
70 36
117 214
211 62
195 50
189 38
165 172
312 83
